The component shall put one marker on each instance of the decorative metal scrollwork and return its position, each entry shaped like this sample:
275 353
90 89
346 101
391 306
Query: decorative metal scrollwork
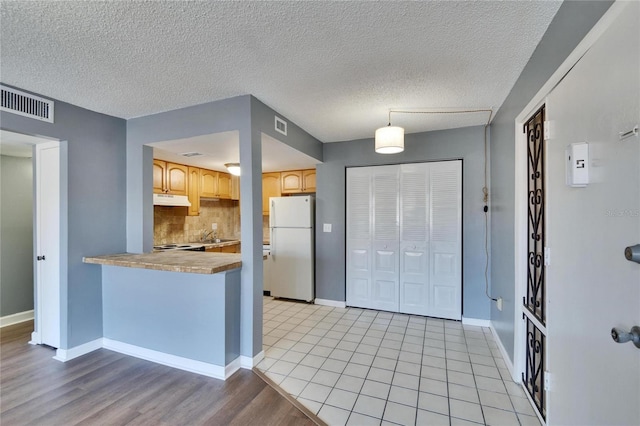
533 377
534 300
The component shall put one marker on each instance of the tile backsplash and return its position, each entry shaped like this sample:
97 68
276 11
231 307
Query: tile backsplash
172 225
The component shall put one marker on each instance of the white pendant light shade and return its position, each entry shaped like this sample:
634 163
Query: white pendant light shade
233 168
389 140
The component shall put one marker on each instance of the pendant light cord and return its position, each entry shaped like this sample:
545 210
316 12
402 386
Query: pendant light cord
485 189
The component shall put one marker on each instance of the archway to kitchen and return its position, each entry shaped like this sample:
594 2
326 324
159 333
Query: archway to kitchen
197 200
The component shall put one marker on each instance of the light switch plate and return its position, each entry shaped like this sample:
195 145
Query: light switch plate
214 226
326 227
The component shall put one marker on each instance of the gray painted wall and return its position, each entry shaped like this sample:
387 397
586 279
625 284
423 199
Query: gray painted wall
464 143
16 229
93 210
572 22
152 310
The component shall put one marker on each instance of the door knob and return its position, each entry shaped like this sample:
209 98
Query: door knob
619 336
632 253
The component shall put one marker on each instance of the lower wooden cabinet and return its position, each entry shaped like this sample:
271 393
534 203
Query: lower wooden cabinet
235 248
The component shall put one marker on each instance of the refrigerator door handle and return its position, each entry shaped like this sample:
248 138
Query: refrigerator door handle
272 242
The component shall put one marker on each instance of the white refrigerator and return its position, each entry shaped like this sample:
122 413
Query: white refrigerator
292 260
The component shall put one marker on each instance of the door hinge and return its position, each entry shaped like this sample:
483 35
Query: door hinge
40 257
547 381
547 256
547 130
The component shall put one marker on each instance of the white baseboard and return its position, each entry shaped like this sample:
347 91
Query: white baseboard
332 303
193 366
35 338
476 322
505 355
65 355
248 362
232 367
16 318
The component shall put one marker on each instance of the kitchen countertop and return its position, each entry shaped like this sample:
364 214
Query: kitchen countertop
172 260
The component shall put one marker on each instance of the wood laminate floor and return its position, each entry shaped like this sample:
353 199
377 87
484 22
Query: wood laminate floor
108 388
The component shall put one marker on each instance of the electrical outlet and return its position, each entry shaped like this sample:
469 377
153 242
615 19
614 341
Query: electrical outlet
499 303
214 226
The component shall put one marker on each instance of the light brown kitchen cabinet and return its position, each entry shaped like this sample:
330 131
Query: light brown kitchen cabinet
235 187
215 184
270 188
234 248
169 178
194 191
309 180
298 181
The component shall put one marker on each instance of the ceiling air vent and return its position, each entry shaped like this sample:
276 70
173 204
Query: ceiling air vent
281 126
27 105
192 154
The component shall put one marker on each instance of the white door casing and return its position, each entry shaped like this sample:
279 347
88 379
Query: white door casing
47 232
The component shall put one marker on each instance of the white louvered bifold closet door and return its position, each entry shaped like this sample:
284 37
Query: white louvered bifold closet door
404 238
359 236
445 273
414 239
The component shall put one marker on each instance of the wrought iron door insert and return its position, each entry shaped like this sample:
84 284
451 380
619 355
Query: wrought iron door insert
534 302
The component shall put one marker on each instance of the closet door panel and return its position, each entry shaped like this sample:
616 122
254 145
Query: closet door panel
446 240
385 209
414 236
359 235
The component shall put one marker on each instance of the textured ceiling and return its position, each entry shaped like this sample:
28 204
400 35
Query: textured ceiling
334 68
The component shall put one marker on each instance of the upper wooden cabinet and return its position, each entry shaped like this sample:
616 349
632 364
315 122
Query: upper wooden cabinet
194 191
297 181
215 184
270 188
169 178
235 187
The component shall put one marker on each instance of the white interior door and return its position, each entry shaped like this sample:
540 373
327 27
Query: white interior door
591 286
47 233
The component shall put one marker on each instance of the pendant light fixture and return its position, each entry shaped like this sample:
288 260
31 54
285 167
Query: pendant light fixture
389 140
233 168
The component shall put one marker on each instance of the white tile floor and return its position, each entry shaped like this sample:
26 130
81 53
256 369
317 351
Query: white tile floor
364 367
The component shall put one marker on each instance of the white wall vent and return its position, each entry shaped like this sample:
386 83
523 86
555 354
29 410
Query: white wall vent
25 104
281 126
192 154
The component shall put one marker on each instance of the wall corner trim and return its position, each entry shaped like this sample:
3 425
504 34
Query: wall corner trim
332 303
505 356
476 322
248 362
16 318
65 355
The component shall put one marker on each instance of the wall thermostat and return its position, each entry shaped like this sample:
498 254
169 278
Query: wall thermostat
578 164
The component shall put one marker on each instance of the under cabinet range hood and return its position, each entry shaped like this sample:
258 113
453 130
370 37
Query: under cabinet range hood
171 200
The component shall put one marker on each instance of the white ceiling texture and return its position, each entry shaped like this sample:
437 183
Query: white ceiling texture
335 68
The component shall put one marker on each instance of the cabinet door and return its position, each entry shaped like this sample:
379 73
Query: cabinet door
194 191
291 182
224 185
159 176
235 187
309 180
208 183
177 179
270 188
